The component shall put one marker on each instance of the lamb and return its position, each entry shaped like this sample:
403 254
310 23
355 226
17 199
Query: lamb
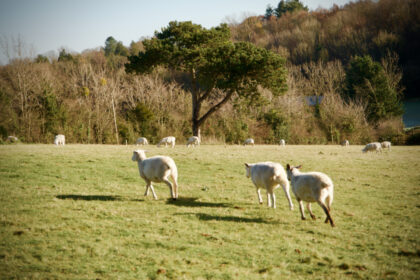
269 175
375 146
60 139
142 141
157 169
386 144
167 140
192 141
312 187
282 142
249 141
345 143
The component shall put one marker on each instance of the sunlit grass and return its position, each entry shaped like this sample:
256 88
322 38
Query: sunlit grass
79 212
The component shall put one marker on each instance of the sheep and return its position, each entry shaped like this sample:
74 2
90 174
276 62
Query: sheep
345 143
157 169
282 142
269 175
60 139
386 144
167 140
192 141
12 139
374 146
311 187
249 141
142 141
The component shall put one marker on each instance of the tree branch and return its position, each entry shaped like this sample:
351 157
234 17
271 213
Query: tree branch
215 108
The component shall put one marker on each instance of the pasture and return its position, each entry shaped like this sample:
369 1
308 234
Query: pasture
78 212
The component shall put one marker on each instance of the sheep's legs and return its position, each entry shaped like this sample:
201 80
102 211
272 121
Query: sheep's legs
328 214
149 185
259 196
310 211
287 192
273 199
171 188
269 200
302 210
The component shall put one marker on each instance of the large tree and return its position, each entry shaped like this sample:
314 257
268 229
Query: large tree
216 68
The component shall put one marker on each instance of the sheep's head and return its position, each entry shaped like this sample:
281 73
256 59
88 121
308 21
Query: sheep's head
289 170
138 155
248 170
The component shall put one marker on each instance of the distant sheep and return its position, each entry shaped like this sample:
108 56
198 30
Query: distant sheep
157 169
60 139
282 142
193 141
268 176
142 141
345 143
249 141
312 187
167 140
12 139
375 146
386 145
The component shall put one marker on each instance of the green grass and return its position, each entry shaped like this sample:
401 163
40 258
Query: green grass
78 212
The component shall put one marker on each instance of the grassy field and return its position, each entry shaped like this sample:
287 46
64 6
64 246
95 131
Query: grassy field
78 212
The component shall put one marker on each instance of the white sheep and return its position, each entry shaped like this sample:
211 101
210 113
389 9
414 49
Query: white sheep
249 141
193 141
142 141
60 139
386 144
282 142
157 169
12 139
312 187
345 143
269 175
167 140
374 146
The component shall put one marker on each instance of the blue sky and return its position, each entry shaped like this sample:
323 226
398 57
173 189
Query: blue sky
47 25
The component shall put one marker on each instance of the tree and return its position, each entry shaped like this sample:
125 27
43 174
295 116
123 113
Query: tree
289 6
110 46
367 80
216 69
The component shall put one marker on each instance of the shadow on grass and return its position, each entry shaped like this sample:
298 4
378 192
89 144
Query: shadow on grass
95 197
192 202
236 219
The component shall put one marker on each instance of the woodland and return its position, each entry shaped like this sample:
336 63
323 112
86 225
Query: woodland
309 77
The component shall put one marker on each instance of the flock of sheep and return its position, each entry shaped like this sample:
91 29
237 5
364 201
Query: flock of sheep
307 187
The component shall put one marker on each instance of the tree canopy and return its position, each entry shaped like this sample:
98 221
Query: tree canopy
216 67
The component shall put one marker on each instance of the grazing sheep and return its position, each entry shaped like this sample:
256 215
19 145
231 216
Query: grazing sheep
167 140
375 146
192 141
282 142
12 139
311 187
60 139
142 141
345 143
249 141
157 169
386 144
268 175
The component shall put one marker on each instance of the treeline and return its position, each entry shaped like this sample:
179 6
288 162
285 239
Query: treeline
345 70
360 28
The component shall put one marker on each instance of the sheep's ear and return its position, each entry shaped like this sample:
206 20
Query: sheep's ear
246 164
288 167
299 166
